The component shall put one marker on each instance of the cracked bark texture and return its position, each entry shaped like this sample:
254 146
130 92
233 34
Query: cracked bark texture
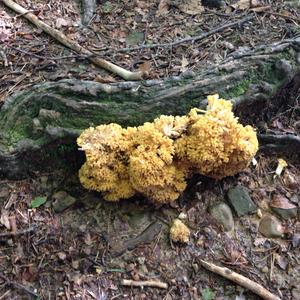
40 125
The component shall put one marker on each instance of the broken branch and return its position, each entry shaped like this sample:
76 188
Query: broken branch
63 39
151 283
18 286
239 279
191 39
19 232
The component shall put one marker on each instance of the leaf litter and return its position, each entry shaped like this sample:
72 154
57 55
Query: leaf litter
50 254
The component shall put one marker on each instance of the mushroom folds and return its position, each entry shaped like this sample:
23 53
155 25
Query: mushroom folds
155 159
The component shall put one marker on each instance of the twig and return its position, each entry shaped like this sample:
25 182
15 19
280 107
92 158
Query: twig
190 39
63 39
282 16
17 233
18 286
239 279
47 57
151 283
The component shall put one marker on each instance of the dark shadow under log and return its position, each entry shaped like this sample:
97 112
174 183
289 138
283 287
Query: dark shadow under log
39 125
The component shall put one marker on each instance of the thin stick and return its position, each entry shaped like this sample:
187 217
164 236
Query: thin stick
151 283
63 39
18 286
19 232
190 39
240 279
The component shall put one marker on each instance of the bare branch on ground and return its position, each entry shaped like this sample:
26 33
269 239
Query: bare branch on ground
239 279
151 283
63 39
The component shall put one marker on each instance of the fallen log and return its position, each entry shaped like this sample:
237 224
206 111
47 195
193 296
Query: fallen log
39 125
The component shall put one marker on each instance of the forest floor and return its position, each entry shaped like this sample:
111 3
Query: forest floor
85 250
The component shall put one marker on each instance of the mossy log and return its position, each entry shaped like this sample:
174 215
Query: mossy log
39 125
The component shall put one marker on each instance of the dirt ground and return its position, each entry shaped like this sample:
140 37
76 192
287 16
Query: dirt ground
87 250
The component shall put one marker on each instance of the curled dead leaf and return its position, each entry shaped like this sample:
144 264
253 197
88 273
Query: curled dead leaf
290 180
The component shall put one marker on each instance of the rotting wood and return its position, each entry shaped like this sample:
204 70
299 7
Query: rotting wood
39 125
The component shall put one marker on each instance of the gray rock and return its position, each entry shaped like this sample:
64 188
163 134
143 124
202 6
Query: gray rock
285 214
270 227
283 207
222 213
62 200
240 200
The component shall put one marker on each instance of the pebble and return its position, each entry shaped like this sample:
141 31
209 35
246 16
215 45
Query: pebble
240 200
270 227
283 207
223 215
62 200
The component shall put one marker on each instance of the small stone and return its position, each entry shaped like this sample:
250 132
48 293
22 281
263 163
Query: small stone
265 269
62 200
283 207
285 214
270 227
222 213
62 255
241 201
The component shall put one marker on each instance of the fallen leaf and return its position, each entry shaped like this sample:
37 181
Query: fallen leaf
163 8
62 255
106 79
37 202
145 67
290 180
184 64
279 201
61 22
4 219
191 7
242 4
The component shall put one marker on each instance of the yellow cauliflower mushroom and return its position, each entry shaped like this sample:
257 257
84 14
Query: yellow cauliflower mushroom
215 144
179 232
155 159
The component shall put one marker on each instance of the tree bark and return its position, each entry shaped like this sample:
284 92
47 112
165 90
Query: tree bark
39 125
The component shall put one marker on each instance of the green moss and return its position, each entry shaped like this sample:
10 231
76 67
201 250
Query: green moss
237 90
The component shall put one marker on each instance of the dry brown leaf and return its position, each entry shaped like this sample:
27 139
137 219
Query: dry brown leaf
61 22
163 8
106 79
145 67
184 64
242 4
279 201
191 7
4 219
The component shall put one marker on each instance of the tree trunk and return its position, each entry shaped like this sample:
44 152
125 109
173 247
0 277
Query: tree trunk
40 125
